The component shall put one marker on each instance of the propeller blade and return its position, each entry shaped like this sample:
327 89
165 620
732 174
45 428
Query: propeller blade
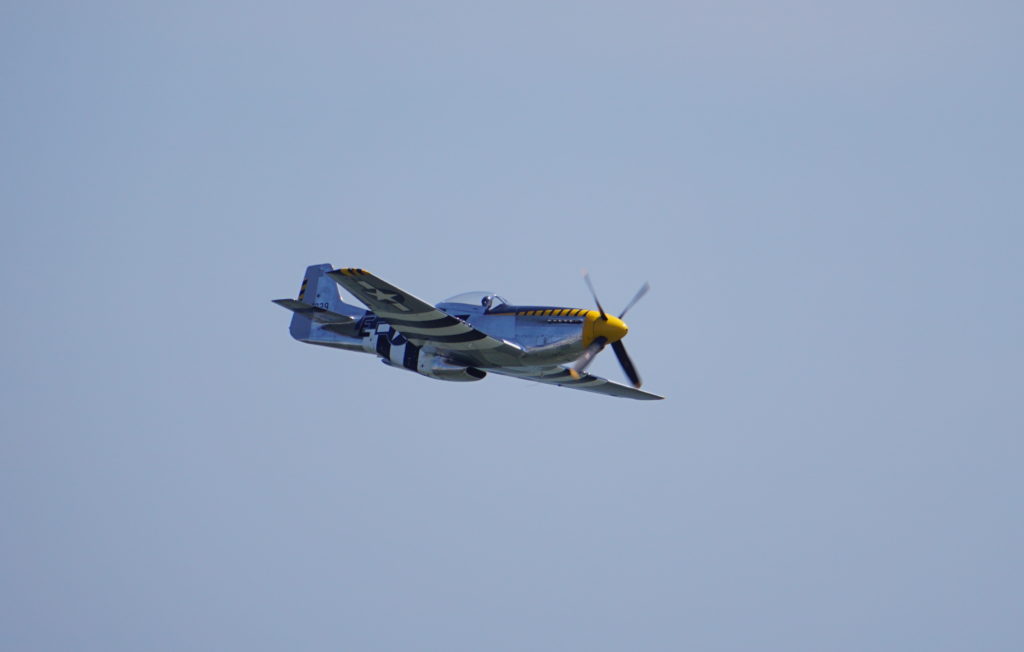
627 364
588 356
636 297
586 277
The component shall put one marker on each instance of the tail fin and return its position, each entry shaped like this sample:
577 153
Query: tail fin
319 292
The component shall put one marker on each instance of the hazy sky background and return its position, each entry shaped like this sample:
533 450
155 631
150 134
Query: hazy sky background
825 197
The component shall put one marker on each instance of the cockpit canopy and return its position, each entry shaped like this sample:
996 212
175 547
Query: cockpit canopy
489 301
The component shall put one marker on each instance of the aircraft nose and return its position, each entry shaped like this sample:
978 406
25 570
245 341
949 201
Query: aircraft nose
613 329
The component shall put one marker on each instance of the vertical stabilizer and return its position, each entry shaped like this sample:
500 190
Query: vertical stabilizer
321 291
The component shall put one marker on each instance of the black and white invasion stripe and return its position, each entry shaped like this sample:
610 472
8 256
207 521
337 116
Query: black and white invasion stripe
396 349
436 327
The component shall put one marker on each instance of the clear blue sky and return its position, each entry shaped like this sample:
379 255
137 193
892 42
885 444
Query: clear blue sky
825 197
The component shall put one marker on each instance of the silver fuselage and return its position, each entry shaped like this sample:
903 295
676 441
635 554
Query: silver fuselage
543 335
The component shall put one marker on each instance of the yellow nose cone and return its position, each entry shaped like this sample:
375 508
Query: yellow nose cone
613 329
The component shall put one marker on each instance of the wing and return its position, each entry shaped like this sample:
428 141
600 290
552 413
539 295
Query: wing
561 376
423 324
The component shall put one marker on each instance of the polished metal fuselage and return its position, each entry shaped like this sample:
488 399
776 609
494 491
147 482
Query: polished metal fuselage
541 335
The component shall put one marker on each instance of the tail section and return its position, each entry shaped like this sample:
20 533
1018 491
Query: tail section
319 290
320 314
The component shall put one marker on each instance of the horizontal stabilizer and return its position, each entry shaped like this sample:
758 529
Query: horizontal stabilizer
319 315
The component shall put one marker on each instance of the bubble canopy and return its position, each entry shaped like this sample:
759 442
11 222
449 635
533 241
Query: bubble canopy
488 300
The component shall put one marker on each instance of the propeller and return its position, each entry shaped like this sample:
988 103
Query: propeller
600 342
589 354
636 297
627 364
593 293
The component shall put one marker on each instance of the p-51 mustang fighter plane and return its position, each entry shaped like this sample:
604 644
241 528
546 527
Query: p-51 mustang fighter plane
464 337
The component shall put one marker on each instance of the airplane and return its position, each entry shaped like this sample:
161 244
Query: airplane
465 337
